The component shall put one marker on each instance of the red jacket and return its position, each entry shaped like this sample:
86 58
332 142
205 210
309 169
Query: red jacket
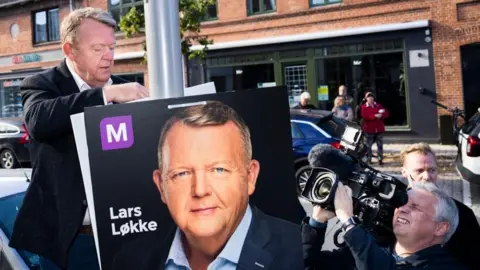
371 124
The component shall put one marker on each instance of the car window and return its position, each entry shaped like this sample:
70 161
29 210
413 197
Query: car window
473 122
296 133
10 206
308 131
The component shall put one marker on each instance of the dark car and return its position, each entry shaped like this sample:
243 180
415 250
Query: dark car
11 258
14 141
309 128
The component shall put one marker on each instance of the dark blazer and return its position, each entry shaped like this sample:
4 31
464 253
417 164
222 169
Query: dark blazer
55 203
362 253
467 233
271 242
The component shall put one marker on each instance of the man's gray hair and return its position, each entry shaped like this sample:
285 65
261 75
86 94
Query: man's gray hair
214 113
71 23
445 209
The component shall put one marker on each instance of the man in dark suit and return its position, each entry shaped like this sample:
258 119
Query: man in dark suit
420 164
53 220
205 176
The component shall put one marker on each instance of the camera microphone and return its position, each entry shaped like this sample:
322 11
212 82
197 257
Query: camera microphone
326 156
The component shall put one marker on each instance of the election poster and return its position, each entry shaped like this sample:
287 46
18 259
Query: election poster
121 154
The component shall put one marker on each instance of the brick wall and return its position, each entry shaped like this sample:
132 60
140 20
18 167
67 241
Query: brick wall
454 22
23 44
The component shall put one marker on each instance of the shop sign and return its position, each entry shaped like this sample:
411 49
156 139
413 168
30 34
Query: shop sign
467 30
266 84
26 58
322 92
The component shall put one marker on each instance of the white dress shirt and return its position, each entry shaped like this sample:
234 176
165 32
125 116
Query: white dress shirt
83 86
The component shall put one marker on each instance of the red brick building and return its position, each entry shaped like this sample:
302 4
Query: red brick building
390 47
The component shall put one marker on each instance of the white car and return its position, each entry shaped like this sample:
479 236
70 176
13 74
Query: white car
12 191
468 158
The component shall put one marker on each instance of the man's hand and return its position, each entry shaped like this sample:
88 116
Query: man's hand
378 115
343 202
121 93
321 215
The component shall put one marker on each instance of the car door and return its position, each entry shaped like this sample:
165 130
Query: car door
312 135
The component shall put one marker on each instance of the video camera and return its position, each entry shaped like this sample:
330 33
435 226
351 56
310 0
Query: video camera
375 194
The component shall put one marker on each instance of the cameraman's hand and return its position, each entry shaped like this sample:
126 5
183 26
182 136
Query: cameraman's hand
343 202
121 93
321 215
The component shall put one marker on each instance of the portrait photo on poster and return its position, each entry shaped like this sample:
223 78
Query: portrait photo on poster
211 174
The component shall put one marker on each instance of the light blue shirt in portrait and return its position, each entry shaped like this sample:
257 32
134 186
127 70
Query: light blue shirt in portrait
226 260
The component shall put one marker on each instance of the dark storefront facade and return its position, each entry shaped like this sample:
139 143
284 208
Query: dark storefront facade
394 65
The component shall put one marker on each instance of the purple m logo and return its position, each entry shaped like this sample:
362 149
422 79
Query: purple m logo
116 132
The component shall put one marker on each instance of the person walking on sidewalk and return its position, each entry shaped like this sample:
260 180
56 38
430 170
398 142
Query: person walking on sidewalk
373 126
419 164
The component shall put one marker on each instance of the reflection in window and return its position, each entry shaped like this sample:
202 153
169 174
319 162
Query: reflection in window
323 2
10 99
136 77
296 133
261 6
119 8
241 77
308 131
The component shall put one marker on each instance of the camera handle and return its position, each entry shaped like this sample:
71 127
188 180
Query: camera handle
336 236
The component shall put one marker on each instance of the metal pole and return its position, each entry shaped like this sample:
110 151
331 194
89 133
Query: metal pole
164 57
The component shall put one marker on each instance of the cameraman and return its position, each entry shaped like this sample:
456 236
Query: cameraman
419 164
421 228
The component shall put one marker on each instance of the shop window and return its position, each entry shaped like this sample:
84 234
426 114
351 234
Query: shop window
119 8
260 6
46 26
323 2
137 77
380 73
239 78
10 99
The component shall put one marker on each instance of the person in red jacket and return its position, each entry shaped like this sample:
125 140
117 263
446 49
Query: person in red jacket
373 126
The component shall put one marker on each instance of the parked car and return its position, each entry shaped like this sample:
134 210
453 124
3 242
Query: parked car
12 191
309 128
468 158
14 142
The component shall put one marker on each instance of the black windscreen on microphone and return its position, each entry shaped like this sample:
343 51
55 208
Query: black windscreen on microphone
326 156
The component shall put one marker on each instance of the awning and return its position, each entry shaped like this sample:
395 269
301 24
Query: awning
317 35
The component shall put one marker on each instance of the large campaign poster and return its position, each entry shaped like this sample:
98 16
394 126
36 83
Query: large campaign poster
122 143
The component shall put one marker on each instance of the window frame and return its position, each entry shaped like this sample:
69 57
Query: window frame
34 32
122 6
328 2
208 19
262 3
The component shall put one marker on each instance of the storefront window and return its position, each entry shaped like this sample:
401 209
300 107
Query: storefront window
382 74
241 77
135 77
10 99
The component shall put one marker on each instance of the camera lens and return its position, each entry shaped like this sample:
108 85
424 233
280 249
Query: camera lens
322 189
